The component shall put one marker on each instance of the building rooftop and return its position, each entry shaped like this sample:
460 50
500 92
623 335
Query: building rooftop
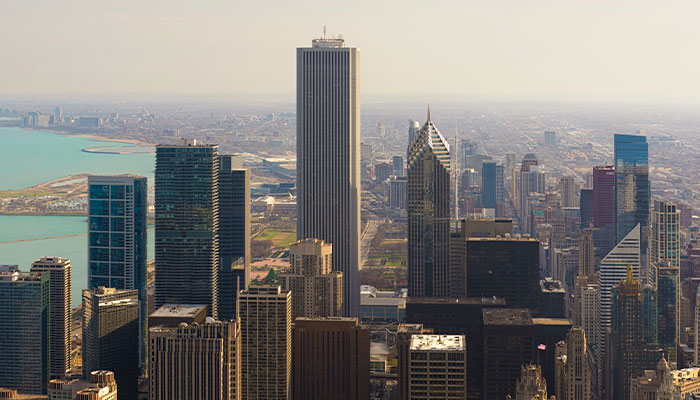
549 285
410 328
178 310
513 238
383 301
551 321
507 316
19 276
437 343
466 300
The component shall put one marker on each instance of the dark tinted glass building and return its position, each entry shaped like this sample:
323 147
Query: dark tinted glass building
603 196
632 193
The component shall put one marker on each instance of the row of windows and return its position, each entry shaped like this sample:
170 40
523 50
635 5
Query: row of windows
103 254
115 224
106 207
103 191
104 239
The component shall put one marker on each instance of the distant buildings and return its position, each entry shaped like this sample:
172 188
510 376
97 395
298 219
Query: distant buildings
567 191
437 367
603 196
195 361
663 383
397 192
331 359
586 207
492 186
117 229
59 271
266 343
328 156
397 164
317 290
187 224
24 331
110 331
428 213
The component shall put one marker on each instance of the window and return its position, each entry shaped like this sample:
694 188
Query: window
99 207
99 191
118 191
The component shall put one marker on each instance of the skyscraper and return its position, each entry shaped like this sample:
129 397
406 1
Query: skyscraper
492 188
613 269
669 290
110 329
24 331
603 196
397 164
665 240
187 224
578 374
266 343
413 129
234 235
437 367
586 207
331 359
317 290
586 255
195 361
117 229
567 191
59 271
428 213
632 191
328 156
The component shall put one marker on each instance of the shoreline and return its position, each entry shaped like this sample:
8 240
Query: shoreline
43 214
91 136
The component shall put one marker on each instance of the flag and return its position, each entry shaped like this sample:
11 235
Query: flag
542 347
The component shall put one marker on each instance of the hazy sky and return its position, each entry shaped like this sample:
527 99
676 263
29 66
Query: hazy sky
497 49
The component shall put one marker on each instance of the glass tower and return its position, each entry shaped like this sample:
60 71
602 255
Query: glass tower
117 225
631 183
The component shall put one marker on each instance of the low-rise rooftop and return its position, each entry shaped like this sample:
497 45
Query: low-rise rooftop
437 343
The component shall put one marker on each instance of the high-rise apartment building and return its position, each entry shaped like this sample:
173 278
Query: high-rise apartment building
187 224
59 271
195 361
317 290
397 164
567 191
110 329
504 267
328 156
603 196
578 373
331 359
428 213
492 187
266 343
24 331
586 255
234 234
437 367
613 269
117 229
632 190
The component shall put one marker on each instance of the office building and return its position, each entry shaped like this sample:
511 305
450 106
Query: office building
110 329
567 192
187 224
492 186
172 315
101 386
25 331
331 359
603 196
397 192
117 230
632 191
630 351
234 234
195 361
550 138
586 255
382 171
413 129
317 290
428 213
397 164
437 367
328 156
512 338
552 299
590 319
585 204
266 343
663 383
504 267
613 269
59 271
668 286
404 332
578 373
531 384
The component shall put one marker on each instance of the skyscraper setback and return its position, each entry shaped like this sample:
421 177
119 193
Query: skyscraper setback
428 213
187 224
328 156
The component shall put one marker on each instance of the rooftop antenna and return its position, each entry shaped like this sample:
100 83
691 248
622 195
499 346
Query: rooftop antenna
324 31
428 111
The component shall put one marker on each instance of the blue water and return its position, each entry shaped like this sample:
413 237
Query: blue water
28 158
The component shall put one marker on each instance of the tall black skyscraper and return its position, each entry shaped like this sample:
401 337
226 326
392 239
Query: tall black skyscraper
234 235
187 224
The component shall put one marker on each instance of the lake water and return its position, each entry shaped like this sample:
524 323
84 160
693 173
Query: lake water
28 158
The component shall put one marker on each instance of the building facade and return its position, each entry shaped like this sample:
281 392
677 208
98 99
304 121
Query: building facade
328 156
428 213
603 196
438 367
59 271
110 329
317 290
632 191
187 224
266 343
